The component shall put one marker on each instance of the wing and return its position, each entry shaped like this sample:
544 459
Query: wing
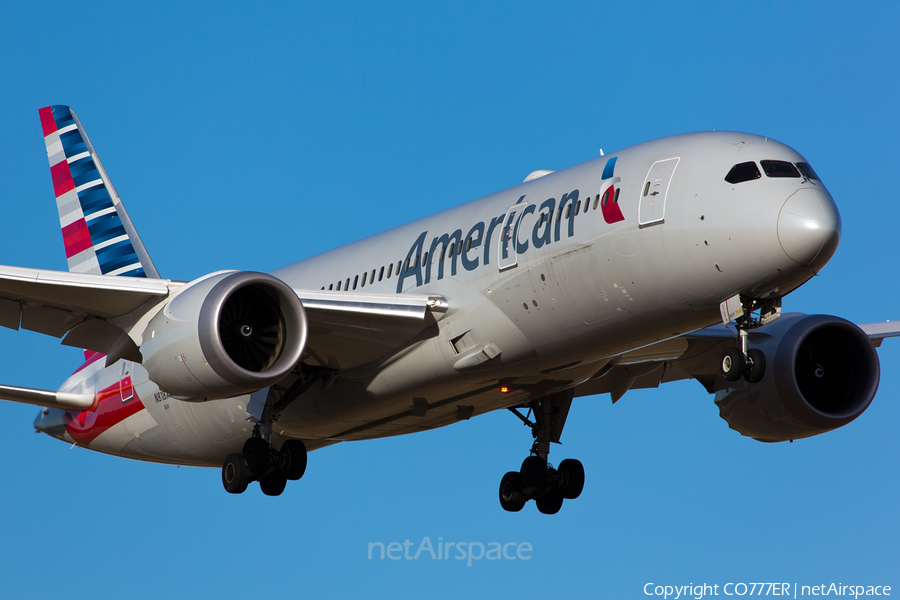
78 306
695 355
351 330
346 330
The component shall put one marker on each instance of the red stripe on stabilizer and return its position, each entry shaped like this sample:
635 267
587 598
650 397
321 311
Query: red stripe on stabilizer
76 238
112 406
48 124
62 178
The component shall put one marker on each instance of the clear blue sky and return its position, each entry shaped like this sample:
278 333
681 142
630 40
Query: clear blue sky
249 138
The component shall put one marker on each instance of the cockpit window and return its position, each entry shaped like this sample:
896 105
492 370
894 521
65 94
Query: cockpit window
779 168
742 172
807 171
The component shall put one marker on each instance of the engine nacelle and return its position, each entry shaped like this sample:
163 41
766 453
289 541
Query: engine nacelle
224 335
821 373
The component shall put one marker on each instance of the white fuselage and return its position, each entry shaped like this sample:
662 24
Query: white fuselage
548 281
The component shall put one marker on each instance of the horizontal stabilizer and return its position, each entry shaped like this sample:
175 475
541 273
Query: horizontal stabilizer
64 400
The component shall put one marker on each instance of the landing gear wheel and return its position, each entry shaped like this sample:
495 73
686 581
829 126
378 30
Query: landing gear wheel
550 503
571 478
256 456
757 366
511 497
534 476
293 463
732 365
235 477
273 484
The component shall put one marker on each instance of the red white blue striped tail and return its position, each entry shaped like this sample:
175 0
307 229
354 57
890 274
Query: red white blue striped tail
97 233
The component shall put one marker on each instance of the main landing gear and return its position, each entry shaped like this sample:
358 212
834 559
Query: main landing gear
259 461
537 480
743 361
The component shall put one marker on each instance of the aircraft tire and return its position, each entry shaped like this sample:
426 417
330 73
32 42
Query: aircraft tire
273 484
256 456
234 474
511 497
732 365
550 503
571 477
758 366
294 459
534 473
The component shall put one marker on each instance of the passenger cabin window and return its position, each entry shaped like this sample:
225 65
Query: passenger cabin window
807 171
741 172
779 168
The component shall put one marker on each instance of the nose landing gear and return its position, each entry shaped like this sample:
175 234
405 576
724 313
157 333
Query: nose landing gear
735 365
537 480
743 361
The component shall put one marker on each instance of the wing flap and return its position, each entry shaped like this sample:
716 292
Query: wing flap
10 313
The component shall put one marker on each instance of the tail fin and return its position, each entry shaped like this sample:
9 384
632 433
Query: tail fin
97 233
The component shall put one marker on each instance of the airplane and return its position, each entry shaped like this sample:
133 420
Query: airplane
667 260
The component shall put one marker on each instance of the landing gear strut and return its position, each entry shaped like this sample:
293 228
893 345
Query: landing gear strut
537 479
743 361
260 461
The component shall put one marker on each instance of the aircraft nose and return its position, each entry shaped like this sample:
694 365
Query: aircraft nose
52 421
809 227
